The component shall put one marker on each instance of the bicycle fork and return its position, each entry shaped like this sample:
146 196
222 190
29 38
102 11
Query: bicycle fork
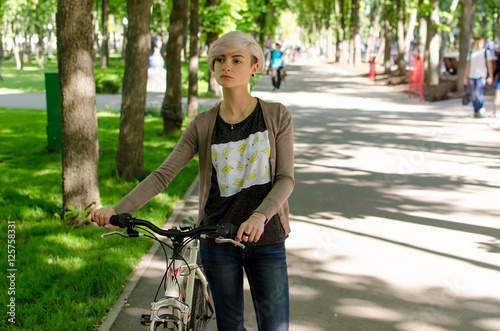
175 307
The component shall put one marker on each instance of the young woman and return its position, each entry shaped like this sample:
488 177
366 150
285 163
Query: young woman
246 172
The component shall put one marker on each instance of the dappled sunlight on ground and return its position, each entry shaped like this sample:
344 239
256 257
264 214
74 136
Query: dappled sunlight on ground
363 280
393 212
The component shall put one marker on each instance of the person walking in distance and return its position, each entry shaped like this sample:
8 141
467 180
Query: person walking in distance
277 64
478 73
496 102
246 174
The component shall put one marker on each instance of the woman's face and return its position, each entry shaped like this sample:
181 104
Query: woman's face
234 69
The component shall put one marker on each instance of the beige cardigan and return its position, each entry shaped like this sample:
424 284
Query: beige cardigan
197 139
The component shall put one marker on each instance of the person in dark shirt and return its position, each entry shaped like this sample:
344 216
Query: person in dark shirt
246 165
242 178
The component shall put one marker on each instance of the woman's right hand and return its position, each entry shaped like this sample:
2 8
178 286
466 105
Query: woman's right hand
102 215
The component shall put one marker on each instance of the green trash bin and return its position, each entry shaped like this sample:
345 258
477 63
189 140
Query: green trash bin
53 99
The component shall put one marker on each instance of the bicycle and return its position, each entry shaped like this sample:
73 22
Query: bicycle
186 304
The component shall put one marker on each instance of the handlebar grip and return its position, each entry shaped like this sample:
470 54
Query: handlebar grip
228 230
121 220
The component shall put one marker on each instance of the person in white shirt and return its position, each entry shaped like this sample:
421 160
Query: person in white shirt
478 73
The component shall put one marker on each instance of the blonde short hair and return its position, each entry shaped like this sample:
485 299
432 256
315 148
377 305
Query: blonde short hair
233 41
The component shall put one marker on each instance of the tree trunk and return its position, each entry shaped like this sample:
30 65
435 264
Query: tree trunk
80 145
374 23
186 40
468 13
105 34
194 24
213 87
270 16
21 46
422 30
401 38
40 58
17 49
338 37
350 53
410 31
434 67
379 58
444 34
422 34
344 45
124 42
50 39
171 108
387 42
496 25
1 54
115 43
265 19
129 156
356 38
96 32
329 50
27 32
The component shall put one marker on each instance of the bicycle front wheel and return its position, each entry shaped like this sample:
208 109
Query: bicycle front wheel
200 311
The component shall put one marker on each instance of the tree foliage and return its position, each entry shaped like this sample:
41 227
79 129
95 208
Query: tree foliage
323 24
337 29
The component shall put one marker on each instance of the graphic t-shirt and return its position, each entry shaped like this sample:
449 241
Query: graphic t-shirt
241 175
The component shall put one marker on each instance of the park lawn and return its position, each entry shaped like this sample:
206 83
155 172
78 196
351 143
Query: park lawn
66 278
32 78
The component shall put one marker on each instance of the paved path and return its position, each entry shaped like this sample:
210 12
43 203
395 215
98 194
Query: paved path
103 101
395 214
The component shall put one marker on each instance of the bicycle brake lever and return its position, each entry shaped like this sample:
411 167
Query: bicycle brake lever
123 234
227 240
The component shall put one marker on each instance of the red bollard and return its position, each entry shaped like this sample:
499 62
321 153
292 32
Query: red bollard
372 73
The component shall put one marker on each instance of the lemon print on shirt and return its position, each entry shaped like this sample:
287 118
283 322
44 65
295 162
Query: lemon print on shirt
242 164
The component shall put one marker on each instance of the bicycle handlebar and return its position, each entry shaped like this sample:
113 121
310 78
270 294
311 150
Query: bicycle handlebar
128 221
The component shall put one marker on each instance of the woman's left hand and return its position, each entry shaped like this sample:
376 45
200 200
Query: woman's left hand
250 230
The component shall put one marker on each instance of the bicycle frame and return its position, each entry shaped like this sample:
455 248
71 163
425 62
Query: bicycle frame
179 292
186 303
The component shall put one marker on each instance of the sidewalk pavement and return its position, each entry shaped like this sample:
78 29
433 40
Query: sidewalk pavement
103 101
395 213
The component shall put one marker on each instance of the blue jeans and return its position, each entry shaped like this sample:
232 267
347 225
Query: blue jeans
476 87
266 270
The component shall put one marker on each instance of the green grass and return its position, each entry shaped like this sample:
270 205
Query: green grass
32 78
67 278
